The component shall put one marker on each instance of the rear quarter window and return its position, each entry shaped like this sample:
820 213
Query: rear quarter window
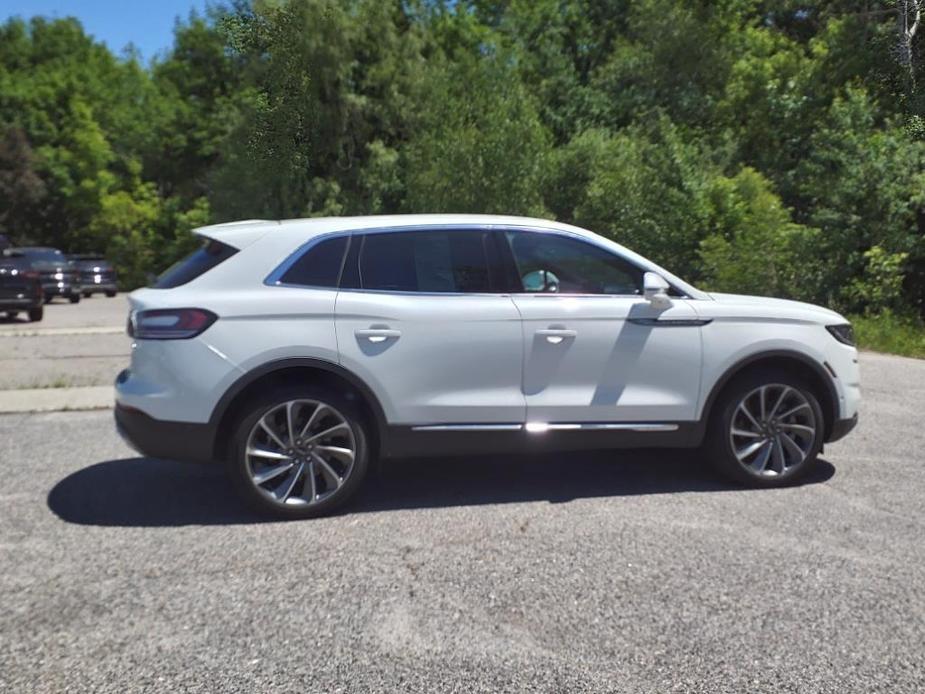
319 266
196 264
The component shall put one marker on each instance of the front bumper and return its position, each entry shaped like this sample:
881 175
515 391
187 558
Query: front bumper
842 427
23 304
157 438
94 287
60 288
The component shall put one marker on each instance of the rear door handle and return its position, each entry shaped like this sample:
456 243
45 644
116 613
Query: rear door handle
378 334
554 336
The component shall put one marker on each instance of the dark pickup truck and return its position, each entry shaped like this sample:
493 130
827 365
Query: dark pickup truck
95 274
20 286
58 275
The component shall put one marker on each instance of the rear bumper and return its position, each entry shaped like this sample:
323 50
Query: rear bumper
156 438
842 427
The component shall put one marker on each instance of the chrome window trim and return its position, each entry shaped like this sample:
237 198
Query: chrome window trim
274 278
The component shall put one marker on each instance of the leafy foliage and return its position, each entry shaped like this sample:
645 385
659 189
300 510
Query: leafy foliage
761 146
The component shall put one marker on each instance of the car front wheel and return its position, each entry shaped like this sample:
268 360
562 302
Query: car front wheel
768 430
300 452
36 314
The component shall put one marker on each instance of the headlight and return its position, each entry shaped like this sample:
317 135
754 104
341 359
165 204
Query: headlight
844 333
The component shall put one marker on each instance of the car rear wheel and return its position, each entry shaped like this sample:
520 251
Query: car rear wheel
110 294
768 430
299 452
36 314
74 298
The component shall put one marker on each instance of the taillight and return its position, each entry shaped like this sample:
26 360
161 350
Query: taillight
169 323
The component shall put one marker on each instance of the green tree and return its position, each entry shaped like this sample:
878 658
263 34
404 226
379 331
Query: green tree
754 247
479 145
21 189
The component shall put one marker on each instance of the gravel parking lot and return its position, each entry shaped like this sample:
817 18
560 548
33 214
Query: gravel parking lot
591 572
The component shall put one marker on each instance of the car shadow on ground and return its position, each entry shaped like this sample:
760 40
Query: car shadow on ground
145 492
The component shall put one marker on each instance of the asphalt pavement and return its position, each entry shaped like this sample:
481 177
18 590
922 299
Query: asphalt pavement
632 572
67 360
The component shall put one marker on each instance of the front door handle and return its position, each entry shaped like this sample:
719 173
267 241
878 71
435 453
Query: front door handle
378 334
555 336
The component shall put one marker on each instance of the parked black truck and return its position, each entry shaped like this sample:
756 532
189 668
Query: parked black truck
20 286
95 274
58 275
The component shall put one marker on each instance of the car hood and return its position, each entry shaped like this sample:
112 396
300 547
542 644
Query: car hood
768 307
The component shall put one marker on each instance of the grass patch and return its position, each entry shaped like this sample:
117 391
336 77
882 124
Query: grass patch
890 333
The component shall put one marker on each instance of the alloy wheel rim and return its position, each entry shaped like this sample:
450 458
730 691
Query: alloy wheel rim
300 452
773 430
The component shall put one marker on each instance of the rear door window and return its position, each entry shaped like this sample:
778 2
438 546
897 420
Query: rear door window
428 261
195 264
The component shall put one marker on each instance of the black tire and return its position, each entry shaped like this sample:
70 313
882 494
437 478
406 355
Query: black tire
11 314
36 314
110 294
74 298
719 441
239 467
87 295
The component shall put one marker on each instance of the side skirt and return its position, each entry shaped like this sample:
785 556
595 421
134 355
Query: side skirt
464 439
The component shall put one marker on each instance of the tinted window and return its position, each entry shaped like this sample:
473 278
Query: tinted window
195 264
426 261
85 264
319 266
559 264
45 255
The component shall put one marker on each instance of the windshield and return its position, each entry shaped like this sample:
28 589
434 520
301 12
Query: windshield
50 256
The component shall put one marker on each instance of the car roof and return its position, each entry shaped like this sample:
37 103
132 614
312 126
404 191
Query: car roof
27 249
298 231
243 233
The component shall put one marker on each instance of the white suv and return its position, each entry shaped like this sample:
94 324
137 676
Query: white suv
298 351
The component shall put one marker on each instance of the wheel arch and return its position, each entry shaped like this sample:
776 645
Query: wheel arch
287 371
799 364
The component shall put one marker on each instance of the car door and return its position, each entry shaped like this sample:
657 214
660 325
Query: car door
421 318
594 349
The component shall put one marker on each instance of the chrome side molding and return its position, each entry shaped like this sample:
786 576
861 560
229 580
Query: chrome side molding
540 427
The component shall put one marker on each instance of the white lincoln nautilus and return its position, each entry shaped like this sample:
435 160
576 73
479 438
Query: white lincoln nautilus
298 351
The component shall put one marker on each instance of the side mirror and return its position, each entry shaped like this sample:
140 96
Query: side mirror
655 290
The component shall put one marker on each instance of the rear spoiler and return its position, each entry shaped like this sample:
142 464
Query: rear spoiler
237 234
